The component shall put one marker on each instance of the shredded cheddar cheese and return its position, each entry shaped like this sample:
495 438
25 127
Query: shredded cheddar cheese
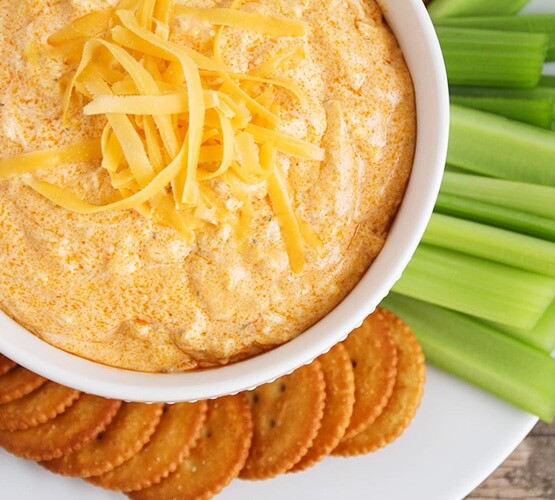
50 158
177 121
269 26
165 104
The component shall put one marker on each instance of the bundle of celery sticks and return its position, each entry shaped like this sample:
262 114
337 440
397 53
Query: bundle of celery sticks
480 290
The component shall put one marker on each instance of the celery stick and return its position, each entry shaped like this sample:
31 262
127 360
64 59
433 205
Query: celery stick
496 146
538 112
441 9
492 58
543 91
457 170
476 286
541 336
529 198
492 243
535 23
481 355
547 81
506 218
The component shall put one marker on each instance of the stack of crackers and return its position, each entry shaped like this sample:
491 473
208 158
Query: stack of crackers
355 399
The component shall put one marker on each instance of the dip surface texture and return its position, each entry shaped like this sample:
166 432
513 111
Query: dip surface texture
119 289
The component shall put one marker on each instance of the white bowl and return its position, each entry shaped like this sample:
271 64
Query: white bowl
415 33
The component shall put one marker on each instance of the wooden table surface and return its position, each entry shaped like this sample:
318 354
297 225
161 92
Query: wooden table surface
529 473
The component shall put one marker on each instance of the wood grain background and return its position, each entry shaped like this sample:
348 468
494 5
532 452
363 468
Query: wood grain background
529 473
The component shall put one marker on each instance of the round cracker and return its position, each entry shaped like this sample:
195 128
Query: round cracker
220 454
64 434
127 433
173 439
6 364
374 358
340 397
404 401
38 407
17 383
286 418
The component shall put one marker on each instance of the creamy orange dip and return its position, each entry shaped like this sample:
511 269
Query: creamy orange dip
120 289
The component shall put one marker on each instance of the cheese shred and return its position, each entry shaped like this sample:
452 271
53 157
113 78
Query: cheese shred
265 25
50 158
178 122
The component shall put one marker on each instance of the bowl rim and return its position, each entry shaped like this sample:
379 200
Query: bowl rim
423 56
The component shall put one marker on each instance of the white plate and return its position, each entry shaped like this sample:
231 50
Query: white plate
459 436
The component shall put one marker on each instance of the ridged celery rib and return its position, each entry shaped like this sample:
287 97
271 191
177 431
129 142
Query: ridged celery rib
503 217
538 23
541 336
441 9
547 81
496 146
492 58
481 355
542 91
491 243
529 198
537 112
476 286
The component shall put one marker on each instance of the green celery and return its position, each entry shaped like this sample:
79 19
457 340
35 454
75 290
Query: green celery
492 58
506 218
543 91
476 286
537 112
539 93
520 374
441 9
536 23
496 146
457 170
547 81
541 336
492 243
547 84
529 198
